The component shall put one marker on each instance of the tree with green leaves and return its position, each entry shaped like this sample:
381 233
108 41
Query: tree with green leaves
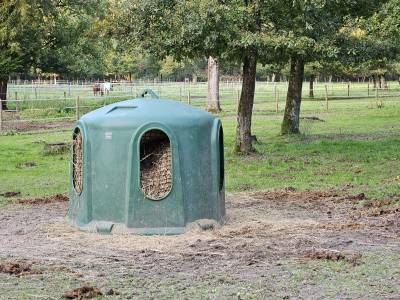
47 35
201 28
304 31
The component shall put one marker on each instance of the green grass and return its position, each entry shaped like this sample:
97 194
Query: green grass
47 177
357 147
374 278
52 101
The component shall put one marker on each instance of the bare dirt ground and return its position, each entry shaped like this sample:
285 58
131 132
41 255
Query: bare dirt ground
282 244
22 126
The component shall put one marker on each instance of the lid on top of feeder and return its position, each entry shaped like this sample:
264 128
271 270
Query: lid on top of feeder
151 108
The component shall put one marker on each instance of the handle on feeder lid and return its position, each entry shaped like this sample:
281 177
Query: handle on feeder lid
151 93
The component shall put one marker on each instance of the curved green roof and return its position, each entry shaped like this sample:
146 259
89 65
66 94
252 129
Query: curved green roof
142 109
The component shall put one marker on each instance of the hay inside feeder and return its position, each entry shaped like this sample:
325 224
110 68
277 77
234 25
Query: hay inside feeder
155 164
77 161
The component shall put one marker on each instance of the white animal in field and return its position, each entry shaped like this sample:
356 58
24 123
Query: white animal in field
106 87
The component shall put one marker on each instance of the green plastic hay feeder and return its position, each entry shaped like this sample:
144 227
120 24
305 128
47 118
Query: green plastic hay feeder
146 166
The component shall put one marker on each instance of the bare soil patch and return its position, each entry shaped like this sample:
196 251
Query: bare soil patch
84 292
21 125
44 200
28 164
18 268
10 194
353 258
261 231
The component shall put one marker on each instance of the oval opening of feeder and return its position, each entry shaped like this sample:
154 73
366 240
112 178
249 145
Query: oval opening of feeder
77 160
155 164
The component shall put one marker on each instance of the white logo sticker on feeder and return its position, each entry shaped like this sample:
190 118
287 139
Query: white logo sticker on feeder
108 136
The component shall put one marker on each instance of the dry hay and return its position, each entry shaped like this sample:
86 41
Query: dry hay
155 164
77 161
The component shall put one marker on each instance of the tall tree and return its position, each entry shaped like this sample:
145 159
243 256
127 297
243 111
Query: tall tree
201 28
42 34
305 31
213 104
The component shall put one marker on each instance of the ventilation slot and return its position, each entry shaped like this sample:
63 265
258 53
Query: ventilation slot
77 161
155 164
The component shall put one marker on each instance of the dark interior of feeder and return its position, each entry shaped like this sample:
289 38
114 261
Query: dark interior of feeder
221 159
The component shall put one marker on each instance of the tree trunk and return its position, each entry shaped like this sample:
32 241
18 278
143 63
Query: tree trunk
290 123
245 107
213 86
3 92
383 82
374 80
194 78
312 79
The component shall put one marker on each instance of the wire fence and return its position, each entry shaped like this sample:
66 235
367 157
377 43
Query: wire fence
30 104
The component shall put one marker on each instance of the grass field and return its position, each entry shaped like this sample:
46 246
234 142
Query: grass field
267 248
348 150
59 101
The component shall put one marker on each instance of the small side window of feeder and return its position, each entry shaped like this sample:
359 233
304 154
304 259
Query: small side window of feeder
77 161
155 164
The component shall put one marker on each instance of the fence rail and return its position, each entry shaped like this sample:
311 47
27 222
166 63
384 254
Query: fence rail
59 102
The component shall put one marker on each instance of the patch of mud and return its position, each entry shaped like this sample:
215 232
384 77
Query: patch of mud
331 255
44 200
24 165
18 268
385 211
83 292
10 194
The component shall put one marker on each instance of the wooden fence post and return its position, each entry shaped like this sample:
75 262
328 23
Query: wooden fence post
276 99
77 108
368 89
180 94
16 101
1 115
348 90
326 98
189 100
